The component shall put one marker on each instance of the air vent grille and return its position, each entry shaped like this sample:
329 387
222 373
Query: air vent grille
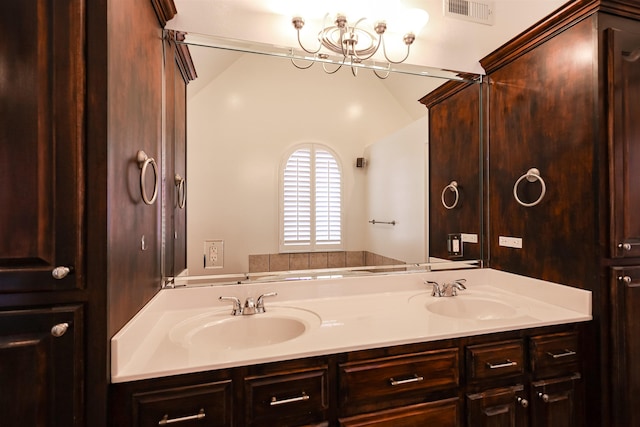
475 11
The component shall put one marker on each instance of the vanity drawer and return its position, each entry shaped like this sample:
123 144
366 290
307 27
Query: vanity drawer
292 398
554 352
386 382
206 405
495 360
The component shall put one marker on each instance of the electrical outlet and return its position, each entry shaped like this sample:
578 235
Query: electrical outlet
510 242
213 253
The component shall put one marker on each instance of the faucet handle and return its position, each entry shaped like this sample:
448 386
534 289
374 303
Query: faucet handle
435 291
237 305
260 303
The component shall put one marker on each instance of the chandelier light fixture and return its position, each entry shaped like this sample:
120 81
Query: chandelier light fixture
353 43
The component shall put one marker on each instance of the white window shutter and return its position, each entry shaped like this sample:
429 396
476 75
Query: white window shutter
311 201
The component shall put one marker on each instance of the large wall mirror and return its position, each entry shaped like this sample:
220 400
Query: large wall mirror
248 111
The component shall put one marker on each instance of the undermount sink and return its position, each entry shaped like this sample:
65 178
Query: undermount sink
223 332
462 307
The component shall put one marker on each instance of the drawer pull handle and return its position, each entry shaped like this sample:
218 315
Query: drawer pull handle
506 364
415 379
276 402
565 353
166 420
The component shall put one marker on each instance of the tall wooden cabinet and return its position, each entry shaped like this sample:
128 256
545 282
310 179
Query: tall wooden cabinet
455 144
563 175
42 270
81 92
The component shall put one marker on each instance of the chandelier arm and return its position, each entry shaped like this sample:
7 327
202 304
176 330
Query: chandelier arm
372 53
384 50
381 76
301 67
307 50
355 51
324 67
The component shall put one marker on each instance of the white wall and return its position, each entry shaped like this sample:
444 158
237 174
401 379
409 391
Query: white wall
239 127
396 191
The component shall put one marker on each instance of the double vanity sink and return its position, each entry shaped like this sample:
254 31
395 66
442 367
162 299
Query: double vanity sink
192 329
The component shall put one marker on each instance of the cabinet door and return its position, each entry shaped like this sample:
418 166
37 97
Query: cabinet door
557 402
40 367
289 399
205 405
443 413
625 324
623 61
41 142
500 407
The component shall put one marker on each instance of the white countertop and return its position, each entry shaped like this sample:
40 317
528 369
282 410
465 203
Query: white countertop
340 315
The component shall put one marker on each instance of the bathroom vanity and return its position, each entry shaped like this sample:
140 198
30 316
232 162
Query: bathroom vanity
507 347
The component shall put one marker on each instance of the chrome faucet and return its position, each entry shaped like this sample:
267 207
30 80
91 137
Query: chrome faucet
250 306
447 289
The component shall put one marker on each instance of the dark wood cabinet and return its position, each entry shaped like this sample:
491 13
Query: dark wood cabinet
287 398
557 402
179 71
398 386
562 98
623 65
206 405
380 383
41 145
41 367
625 300
455 195
498 407
441 413
42 220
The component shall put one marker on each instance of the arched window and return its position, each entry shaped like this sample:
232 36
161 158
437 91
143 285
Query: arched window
311 200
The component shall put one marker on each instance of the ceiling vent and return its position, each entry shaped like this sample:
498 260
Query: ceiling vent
474 11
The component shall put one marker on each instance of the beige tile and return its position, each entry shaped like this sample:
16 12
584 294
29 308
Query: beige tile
258 263
336 260
299 261
318 260
278 262
355 259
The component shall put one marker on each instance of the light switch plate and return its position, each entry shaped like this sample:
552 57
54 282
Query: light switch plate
510 242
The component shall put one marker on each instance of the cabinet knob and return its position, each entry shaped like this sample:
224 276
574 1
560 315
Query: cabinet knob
625 279
522 401
544 397
61 272
59 330
627 246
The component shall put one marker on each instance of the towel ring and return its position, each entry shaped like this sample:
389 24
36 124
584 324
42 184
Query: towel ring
143 162
182 196
532 175
453 186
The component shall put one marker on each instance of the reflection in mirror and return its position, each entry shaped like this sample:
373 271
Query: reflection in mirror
247 113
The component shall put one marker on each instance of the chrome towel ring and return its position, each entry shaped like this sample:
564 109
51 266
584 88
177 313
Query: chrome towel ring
143 162
532 175
453 186
182 196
